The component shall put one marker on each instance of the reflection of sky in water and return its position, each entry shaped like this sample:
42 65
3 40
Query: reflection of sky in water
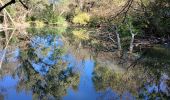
8 87
10 55
154 88
39 43
86 89
15 55
70 59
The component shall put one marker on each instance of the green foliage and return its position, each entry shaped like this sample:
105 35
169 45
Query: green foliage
104 77
54 84
81 18
155 18
96 21
123 30
58 52
12 11
61 21
145 2
129 26
45 51
48 16
39 24
14 39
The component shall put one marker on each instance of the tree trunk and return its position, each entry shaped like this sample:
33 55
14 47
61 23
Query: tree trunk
118 41
81 5
131 43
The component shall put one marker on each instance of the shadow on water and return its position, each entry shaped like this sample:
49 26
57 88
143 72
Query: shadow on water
60 64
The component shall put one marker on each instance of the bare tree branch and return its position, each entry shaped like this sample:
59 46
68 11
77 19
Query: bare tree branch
7 4
23 4
124 10
12 2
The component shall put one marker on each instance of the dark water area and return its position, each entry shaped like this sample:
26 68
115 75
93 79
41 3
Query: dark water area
56 64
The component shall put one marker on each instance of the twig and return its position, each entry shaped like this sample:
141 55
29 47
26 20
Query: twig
124 10
128 7
23 4
7 4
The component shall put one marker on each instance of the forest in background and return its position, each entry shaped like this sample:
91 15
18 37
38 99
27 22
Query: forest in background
143 19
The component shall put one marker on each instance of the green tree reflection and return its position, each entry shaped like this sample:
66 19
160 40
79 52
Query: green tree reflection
54 83
148 79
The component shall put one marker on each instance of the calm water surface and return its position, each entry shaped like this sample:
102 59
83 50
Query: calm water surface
57 64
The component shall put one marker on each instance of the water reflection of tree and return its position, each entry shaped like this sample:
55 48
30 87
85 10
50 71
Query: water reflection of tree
157 65
53 84
1 97
146 73
77 37
77 42
9 48
104 77
47 30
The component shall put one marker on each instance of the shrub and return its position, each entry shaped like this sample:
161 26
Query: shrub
39 24
81 18
61 21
